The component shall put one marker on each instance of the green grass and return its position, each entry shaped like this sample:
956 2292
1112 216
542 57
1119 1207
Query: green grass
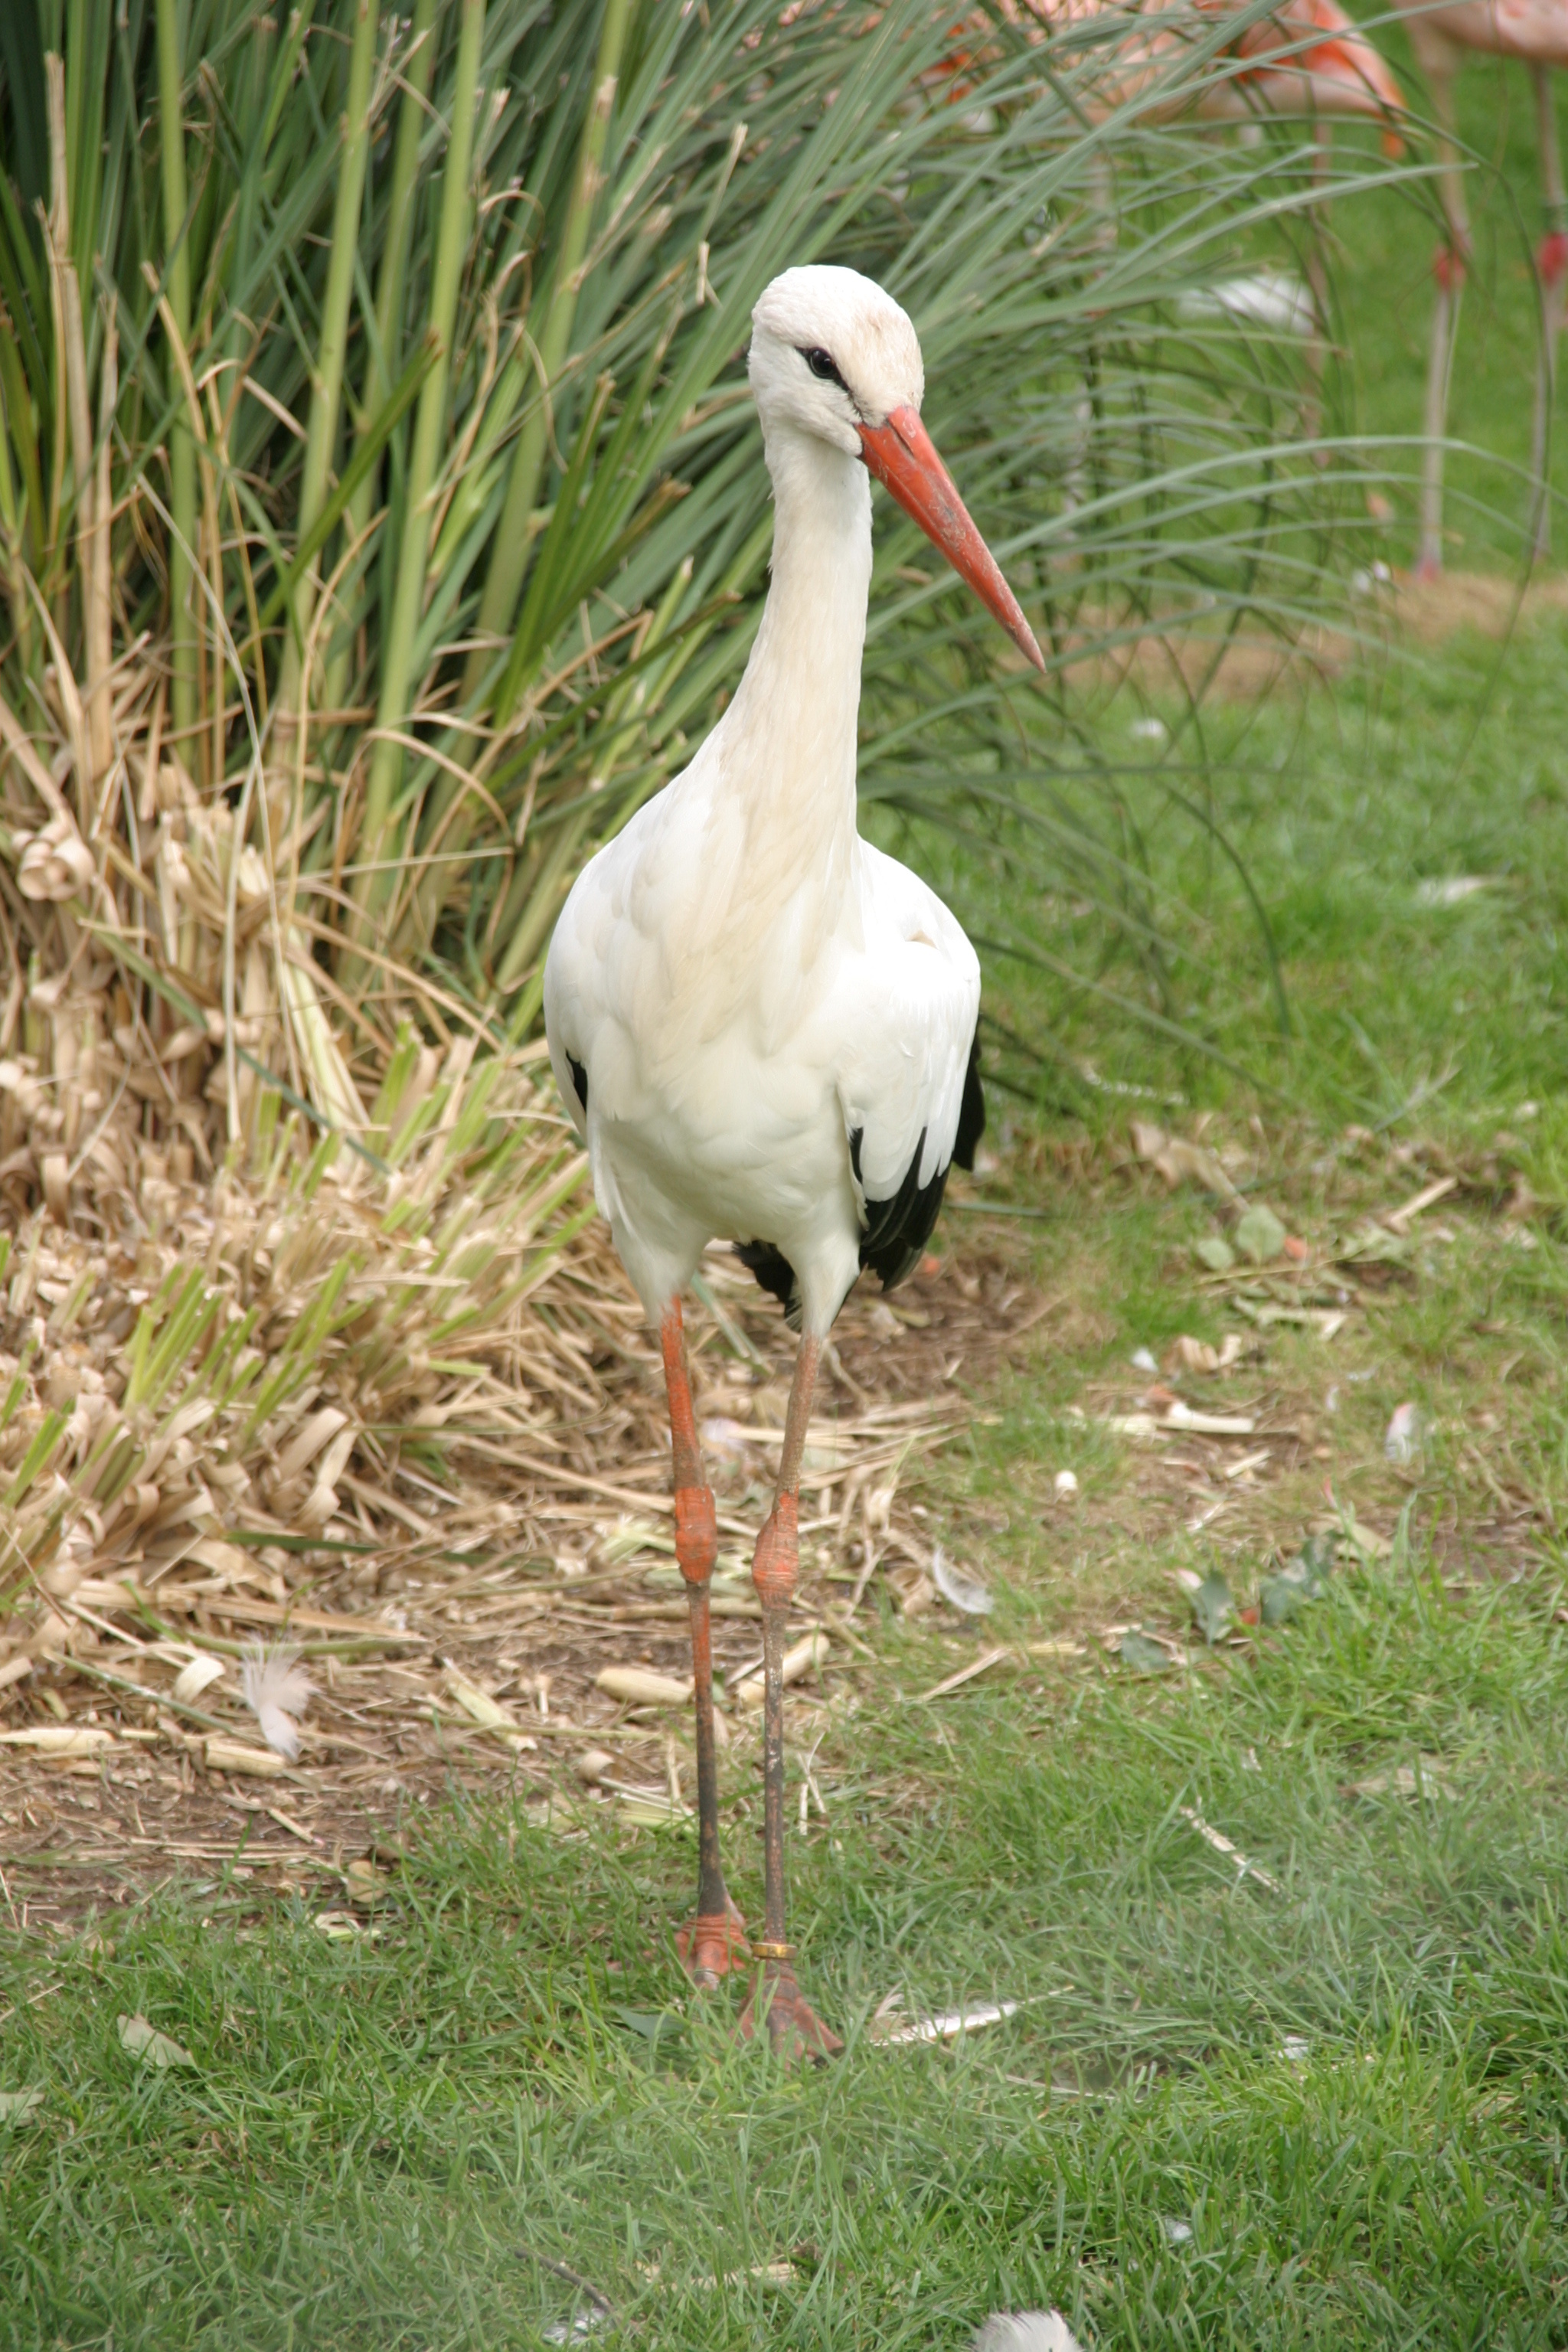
377 2139
1341 805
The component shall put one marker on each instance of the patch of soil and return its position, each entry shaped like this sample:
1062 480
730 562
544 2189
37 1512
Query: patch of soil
1246 667
568 1571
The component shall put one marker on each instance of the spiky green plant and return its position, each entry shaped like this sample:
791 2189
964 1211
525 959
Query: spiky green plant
381 517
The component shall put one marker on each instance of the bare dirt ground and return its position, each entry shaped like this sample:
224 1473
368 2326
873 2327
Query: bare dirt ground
1393 612
472 1653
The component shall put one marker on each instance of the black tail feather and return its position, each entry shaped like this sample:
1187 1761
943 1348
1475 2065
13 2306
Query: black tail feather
774 1271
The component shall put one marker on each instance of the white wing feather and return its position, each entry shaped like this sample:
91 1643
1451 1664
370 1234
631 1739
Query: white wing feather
908 1009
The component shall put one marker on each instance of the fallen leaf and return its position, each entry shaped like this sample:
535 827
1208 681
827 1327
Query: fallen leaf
1424 1778
1208 1424
143 2040
1213 1609
624 1540
58 1739
778 2273
16 2106
1368 1541
945 2026
976 1666
1179 1161
1248 1464
1280 1597
1317 1554
220 1755
195 1677
654 2025
1373 1244
1259 1234
1137 1651
638 1686
965 1593
1302 1580
1130 1425
1215 1252
484 1711
1400 1219
653 1812
1189 1355
343 1927
567 2331
1222 1844
801 1658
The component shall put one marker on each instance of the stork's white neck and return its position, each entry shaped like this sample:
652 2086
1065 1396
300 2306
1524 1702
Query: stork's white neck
790 733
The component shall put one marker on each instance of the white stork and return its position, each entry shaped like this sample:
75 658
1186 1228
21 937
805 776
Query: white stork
765 1028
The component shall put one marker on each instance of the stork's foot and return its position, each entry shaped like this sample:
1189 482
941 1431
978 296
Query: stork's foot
794 2027
712 1945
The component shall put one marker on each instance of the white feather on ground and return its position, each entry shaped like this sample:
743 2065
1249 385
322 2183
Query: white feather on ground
277 1690
1026 2331
965 1593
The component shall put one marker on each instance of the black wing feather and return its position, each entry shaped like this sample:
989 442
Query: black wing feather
896 1230
971 1110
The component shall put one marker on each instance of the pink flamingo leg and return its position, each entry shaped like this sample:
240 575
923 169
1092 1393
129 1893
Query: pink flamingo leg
1449 270
1552 261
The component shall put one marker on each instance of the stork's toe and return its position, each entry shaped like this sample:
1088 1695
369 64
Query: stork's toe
794 2029
712 1945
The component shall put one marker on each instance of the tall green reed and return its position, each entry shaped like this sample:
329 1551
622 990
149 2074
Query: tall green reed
427 497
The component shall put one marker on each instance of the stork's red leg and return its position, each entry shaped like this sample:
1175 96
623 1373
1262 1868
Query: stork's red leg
793 2025
714 1942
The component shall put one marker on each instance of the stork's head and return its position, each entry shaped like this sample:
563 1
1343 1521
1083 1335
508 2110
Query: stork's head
835 358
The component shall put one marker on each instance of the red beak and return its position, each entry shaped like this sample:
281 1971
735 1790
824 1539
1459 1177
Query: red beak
903 458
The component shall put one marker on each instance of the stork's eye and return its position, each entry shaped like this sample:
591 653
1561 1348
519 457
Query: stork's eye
821 363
